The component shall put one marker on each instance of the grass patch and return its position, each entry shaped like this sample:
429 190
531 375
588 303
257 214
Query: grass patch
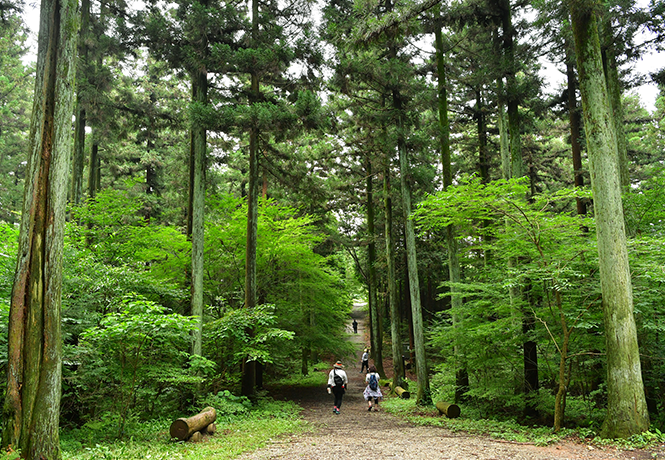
267 421
510 430
507 430
316 377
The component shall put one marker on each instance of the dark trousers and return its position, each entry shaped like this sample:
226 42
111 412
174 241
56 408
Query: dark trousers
364 365
338 392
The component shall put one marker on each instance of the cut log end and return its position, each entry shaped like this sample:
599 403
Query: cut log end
449 410
179 429
402 393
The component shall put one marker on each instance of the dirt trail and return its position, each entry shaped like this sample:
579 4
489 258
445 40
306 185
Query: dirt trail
359 434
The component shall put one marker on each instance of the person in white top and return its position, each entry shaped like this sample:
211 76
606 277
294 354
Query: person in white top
372 390
337 382
364 361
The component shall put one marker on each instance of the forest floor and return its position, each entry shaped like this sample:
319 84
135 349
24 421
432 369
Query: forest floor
359 434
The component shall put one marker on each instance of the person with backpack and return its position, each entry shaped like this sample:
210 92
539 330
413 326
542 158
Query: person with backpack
337 382
372 390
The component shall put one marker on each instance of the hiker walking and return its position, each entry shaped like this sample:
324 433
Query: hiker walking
364 361
355 326
337 381
372 390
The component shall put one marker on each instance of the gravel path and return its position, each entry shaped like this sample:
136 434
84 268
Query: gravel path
359 434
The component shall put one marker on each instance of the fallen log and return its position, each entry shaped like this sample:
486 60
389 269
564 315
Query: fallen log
183 428
449 410
402 393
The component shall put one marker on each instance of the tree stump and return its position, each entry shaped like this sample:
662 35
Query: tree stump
402 393
449 410
210 429
195 437
183 428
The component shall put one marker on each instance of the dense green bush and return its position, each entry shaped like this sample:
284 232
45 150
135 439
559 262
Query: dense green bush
135 362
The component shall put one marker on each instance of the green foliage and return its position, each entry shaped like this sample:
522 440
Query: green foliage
317 376
16 87
511 244
244 432
308 296
229 407
134 361
250 333
8 250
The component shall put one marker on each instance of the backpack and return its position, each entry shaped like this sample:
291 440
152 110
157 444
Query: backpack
373 382
337 379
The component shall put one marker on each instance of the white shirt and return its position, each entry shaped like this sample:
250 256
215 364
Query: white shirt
341 373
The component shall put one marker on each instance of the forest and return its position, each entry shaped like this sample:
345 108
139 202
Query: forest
194 194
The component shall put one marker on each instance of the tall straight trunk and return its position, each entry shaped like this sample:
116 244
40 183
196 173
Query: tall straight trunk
423 395
79 129
461 373
94 170
504 143
518 169
614 95
31 410
481 124
575 125
249 367
512 99
79 152
560 399
626 405
377 340
393 300
197 207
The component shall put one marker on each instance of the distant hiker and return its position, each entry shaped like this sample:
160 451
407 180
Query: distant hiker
355 326
337 381
372 390
364 361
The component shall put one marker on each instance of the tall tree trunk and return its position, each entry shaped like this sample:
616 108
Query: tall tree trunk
504 143
393 300
461 373
377 341
575 122
249 367
94 170
626 406
483 155
512 98
31 409
79 130
530 357
197 206
423 396
611 70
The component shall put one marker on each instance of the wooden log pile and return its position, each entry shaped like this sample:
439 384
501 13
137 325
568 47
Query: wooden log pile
193 428
449 410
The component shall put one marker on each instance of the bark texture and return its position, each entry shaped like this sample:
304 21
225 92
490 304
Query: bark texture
197 205
375 311
626 406
32 402
395 320
249 368
423 395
